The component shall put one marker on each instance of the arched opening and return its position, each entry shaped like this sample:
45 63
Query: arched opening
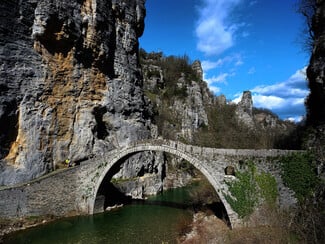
108 194
230 170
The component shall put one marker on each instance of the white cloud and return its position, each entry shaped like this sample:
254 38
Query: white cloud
269 102
214 81
230 61
208 65
221 78
214 34
234 59
215 89
294 86
284 98
295 119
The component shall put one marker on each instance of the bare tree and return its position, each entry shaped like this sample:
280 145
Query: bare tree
307 9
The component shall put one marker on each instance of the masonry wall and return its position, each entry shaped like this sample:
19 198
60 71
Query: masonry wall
72 190
50 195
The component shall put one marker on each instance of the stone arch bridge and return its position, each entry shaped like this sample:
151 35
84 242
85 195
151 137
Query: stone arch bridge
74 190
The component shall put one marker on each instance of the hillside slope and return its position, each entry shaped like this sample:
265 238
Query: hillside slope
186 110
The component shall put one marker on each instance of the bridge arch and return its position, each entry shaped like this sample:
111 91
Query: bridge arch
172 148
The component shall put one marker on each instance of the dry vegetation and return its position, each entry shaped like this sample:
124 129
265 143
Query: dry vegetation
210 229
224 131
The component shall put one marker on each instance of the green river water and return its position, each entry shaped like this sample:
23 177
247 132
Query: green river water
152 221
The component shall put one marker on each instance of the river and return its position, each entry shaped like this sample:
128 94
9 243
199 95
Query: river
156 220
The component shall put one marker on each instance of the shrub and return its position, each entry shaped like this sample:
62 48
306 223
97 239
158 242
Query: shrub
243 191
299 174
250 187
268 188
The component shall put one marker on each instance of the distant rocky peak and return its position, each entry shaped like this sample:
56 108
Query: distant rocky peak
244 110
197 67
246 103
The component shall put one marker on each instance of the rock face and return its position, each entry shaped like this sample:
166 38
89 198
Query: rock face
71 87
316 99
244 110
180 96
70 82
316 69
185 109
191 110
260 119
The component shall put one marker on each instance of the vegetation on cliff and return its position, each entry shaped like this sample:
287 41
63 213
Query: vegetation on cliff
298 173
310 219
186 110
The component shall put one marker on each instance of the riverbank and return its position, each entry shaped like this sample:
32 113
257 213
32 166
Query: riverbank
8 226
207 228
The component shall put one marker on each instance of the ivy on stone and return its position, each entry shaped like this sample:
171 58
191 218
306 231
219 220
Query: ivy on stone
298 173
244 197
249 189
268 188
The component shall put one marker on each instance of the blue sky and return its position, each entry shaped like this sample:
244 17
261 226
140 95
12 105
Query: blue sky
242 45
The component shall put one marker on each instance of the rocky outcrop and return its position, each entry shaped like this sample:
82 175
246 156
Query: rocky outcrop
259 119
192 109
70 82
180 96
244 109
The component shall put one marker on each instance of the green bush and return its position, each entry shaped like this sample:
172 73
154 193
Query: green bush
243 191
299 174
249 188
268 188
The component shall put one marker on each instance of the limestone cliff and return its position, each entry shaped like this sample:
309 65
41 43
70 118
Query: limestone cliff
70 82
259 119
244 110
185 109
178 93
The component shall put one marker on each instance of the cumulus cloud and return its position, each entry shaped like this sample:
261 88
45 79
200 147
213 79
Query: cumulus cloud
215 89
213 31
295 86
208 65
234 59
214 81
284 98
217 79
